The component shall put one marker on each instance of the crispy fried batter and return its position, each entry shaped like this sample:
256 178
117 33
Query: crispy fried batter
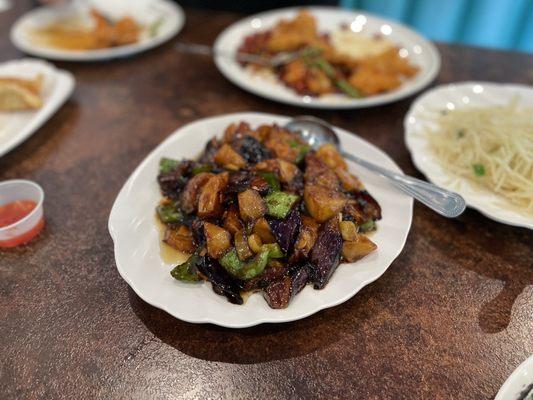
369 76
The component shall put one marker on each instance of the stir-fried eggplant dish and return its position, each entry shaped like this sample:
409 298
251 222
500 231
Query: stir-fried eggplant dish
261 211
344 61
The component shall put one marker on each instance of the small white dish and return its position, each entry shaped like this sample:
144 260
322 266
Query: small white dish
168 15
26 228
424 111
17 126
421 53
518 382
133 227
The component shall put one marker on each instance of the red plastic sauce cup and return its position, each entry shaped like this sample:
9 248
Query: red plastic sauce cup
29 226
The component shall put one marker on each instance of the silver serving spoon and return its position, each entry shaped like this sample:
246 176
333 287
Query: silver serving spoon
317 132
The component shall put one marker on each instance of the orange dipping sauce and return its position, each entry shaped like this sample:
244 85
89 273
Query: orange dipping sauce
14 212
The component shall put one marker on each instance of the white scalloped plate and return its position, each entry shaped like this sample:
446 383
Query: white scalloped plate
420 51
518 382
133 228
147 12
423 113
17 126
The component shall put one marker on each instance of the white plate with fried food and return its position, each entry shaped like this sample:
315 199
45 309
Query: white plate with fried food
31 91
142 259
343 59
96 30
476 138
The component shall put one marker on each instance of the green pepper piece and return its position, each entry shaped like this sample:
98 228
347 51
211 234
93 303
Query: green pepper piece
248 270
310 51
256 266
274 251
167 165
366 226
271 179
280 203
230 261
202 168
329 70
325 66
343 85
182 272
168 213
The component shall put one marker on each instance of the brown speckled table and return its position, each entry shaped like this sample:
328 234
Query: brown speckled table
450 319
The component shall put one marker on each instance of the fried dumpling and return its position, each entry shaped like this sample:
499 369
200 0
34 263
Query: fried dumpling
20 94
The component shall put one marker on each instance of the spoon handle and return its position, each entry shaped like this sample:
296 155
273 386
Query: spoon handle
446 203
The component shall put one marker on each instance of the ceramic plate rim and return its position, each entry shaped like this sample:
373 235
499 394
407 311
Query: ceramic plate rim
507 386
243 83
253 321
17 39
416 155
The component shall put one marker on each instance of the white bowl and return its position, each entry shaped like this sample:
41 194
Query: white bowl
15 190
423 113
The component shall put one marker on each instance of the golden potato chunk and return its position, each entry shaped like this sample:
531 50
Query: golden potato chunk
231 220
218 240
210 198
318 173
229 158
307 236
323 203
262 229
255 242
348 230
348 181
285 170
179 239
241 246
189 196
279 143
251 205
330 156
358 248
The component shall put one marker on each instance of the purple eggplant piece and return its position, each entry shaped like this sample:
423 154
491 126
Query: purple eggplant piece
279 293
260 184
198 234
208 155
295 186
326 253
299 278
251 149
238 182
223 283
242 180
269 275
173 182
286 230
